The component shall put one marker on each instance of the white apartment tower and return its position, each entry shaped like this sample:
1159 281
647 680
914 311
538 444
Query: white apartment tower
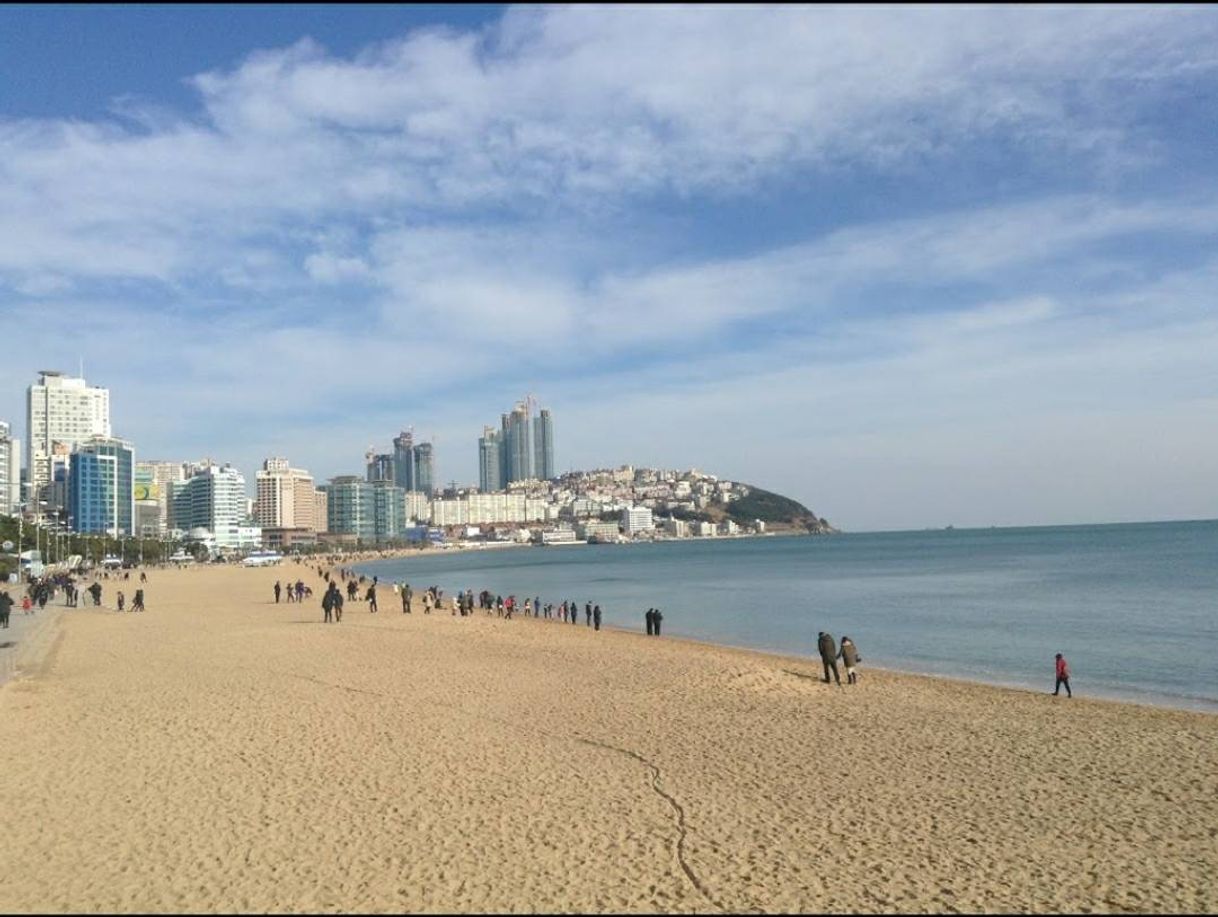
10 471
212 498
286 497
60 409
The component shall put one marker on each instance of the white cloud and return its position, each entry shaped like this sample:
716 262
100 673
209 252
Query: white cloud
451 209
327 268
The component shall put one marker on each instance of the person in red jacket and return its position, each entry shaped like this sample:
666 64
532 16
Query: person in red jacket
1063 676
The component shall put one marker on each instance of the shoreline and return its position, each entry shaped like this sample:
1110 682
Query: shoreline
1150 699
813 663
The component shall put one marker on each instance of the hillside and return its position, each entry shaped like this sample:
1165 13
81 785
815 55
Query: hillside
776 511
779 513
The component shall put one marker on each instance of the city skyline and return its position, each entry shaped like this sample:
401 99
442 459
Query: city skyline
910 267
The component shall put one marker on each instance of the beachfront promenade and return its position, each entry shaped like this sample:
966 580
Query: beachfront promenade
221 752
26 641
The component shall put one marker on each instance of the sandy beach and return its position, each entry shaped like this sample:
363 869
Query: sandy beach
221 752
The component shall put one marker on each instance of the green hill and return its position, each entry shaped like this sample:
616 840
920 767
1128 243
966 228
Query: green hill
775 510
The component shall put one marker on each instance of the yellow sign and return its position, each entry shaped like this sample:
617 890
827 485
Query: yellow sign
146 492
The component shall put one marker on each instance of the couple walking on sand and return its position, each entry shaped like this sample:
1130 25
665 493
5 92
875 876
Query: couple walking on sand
829 654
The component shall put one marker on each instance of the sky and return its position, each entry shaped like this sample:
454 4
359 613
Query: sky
911 266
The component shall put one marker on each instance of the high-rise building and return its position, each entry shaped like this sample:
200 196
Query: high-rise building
61 409
380 467
388 516
10 471
212 498
526 444
403 460
285 497
349 507
490 470
321 510
543 442
518 443
413 464
163 476
424 469
101 486
372 511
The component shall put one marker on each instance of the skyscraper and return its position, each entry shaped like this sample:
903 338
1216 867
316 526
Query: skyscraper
526 445
212 498
10 471
351 508
61 409
543 441
101 486
413 464
380 467
425 468
490 470
403 460
518 443
285 497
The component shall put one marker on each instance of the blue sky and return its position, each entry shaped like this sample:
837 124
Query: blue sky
913 266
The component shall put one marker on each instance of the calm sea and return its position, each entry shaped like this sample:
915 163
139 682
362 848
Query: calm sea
1134 608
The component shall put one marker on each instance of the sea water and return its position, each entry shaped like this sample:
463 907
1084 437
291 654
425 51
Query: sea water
1133 607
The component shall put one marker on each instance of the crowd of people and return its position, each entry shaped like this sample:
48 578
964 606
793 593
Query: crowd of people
358 587
40 590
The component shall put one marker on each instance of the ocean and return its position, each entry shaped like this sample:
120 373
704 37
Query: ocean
1133 607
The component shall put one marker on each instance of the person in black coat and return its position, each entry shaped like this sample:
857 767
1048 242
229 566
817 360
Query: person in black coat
650 619
828 655
656 618
596 618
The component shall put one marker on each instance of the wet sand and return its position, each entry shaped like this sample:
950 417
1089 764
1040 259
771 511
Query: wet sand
221 752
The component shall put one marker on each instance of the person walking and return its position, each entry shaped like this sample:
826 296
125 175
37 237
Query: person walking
137 604
96 591
327 605
278 589
656 618
1063 676
338 605
828 655
588 614
850 657
370 596
121 599
596 617
6 606
650 619
405 599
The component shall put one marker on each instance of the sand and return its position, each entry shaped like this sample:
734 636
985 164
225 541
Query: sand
222 753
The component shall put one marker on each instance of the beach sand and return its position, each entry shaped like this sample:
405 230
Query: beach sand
222 753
